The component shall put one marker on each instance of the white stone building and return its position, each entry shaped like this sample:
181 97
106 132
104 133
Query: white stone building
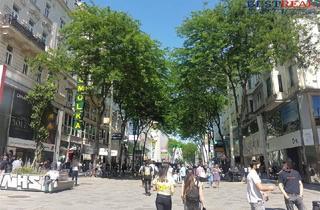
282 116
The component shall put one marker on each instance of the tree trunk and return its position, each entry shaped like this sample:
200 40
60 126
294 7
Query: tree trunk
133 155
218 123
239 117
123 128
144 147
37 155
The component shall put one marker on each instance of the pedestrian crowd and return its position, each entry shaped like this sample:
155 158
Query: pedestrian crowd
164 178
9 163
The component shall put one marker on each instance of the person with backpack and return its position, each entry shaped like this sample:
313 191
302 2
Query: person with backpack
147 177
192 193
165 189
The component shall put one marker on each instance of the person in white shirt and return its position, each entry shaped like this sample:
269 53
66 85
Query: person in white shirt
183 170
16 164
255 188
75 170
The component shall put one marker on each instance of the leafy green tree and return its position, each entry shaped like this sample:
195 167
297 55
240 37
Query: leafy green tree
105 47
188 152
40 99
230 43
173 145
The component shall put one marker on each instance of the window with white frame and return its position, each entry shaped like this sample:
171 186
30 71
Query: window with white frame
31 25
39 73
62 23
9 55
44 37
47 10
15 12
25 67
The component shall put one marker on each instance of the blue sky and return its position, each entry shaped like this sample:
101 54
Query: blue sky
158 18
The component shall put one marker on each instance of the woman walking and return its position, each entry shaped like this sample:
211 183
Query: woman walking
165 189
216 175
192 193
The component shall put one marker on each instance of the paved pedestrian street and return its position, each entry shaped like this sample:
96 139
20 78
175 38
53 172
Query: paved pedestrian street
111 194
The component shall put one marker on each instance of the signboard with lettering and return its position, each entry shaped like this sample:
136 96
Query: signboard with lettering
289 140
104 152
20 117
79 105
21 182
3 69
116 136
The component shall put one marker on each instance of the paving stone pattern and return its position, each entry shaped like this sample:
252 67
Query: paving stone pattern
110 194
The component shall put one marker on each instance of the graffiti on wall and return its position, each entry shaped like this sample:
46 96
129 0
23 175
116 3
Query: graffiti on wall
21 182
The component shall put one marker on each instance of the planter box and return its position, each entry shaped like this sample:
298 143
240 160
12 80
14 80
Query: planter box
33 182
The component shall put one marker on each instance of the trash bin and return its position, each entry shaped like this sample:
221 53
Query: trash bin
315 205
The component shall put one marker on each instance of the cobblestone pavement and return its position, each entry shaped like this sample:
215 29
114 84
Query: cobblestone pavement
111 194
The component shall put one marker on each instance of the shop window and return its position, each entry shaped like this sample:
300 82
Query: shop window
62 23
15 12
31 25
290 117
39 74
47 10
316 109
9 55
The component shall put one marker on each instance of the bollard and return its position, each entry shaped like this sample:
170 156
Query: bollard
315 205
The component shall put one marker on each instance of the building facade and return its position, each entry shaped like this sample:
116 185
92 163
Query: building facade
282 115
29 27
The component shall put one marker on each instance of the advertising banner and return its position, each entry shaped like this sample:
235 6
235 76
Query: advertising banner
79 105
20 117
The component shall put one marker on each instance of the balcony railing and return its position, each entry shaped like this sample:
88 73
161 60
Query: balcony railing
13 21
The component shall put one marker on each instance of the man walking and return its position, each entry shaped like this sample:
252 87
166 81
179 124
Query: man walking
291 186
147 176
183 171
255 188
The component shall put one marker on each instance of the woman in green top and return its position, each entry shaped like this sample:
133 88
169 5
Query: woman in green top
164 188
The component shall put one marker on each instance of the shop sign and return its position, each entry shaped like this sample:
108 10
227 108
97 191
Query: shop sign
104 152
3 70
79 104
287 141
116 136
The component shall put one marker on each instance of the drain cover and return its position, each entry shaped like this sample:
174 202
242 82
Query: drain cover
18 196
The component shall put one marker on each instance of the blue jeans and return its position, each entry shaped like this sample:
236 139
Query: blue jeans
296 200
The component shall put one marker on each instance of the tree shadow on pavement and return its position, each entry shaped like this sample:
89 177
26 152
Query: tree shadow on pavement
123 177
